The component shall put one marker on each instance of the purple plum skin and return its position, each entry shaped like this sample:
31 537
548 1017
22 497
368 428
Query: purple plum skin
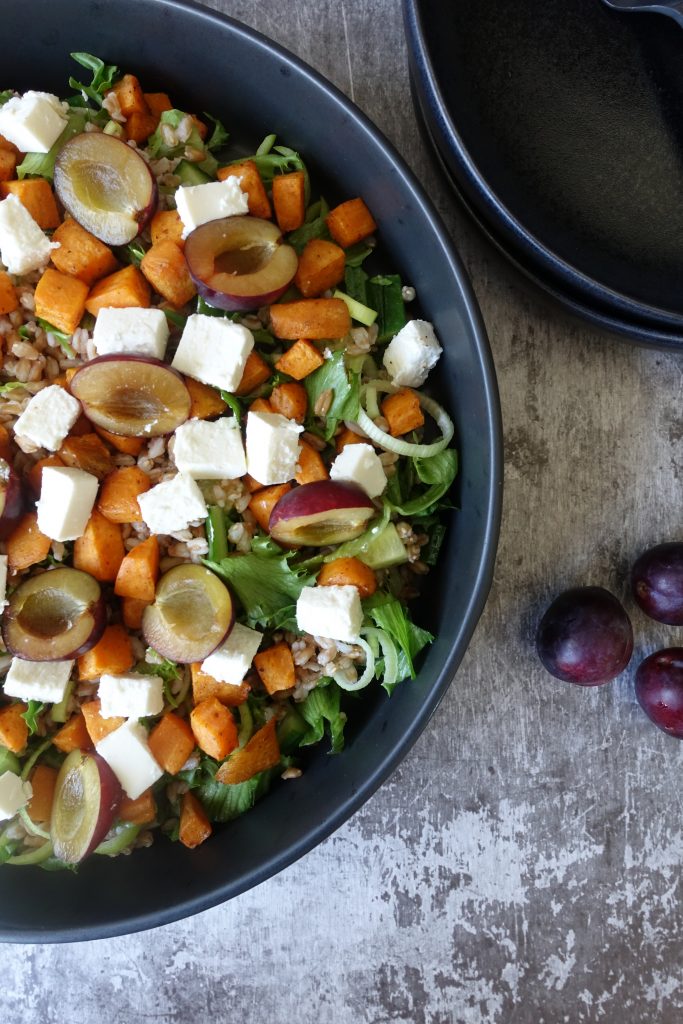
657 583
659 689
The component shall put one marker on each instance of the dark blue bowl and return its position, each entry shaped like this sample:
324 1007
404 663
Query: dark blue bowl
212 63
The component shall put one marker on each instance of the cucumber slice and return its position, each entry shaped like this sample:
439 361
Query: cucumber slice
385 550
191 174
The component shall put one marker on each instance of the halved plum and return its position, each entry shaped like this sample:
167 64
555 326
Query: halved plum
240 262
106 186
87 797
132 395
11 499
55 616
324 512
192 614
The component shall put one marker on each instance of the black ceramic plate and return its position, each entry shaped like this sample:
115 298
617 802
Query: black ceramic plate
207 62
560 124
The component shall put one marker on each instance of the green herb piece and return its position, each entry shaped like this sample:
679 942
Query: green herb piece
169 673
177 319
321 707
43 164
345 387
23 331
389 614
356 284
216 534
208 310
103 76
314 226
219 135
30 716
439 472
158 148
385 294
63 339
232 403
357 254
271 160
133 253
267 586
5 95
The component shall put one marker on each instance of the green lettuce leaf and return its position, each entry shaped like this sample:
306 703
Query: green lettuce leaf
225 802
345 387
320 709
43 164
219 136
30 716
158 148
389 614
437 471
103 76
266 585
314 226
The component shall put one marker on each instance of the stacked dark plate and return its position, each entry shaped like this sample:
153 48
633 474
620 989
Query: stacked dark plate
560 126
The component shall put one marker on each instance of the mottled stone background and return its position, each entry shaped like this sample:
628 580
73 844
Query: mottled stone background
523 865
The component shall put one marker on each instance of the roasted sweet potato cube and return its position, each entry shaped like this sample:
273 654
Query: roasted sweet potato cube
141 811
300 360
126 287
130 96
87 452
348 572
204 686
80 254
13 728
140 125
261 405
350 222
264 501
290 400
100 549
310 318
139 571
321 266
310 466
165 267
118 497
112 654
26 545
402 412
5 446
8 164
9 300
97 726
275 666
73 735
127 445
251 183
206 402
256 372
131 611
261 752
158 102
166 226
195 826
37 197
348 436
214 728
289 200
60 299
171 741
43 780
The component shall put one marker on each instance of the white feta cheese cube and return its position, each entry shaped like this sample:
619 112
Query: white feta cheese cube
272 447
131 331
197 204
3 581
172 505
66 501
38 680
33 122
213 350
360 464
132 695
331 612
232 660
23 245
48 417
412 353
210 450
127 753
14 794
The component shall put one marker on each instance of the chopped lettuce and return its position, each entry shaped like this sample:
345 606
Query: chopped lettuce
437 471
272 160
345 386
389 614
43 164
103 76
30 716
219 135
266 585
224 802
320 709
158 148
314 226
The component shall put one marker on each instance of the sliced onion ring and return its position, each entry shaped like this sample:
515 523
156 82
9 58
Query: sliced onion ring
395 444
390 661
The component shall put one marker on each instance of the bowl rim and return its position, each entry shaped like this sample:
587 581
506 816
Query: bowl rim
491 514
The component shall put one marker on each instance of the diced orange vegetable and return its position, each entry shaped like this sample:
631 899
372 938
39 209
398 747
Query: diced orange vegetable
130 96
81 426
139 571
289 200
60 300
8 164
87 452
100 549
256 372
300 360
350 222
6 144
80 254
310 318
97 726
310 466
403 412
127 287
165 267
275 666
127 445
118 497
5 446
131 611
9 300
261 752
290 400
251 484
141 811
194 826
140 125
165 226
13 728
214 728
171 741
351 572
26 545
73 736
158 102
206 402
34 477
321 266
37 197
43 780
251 183
264 501
112 654
204 686
261 405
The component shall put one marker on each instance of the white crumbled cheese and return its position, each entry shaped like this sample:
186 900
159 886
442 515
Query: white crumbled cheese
48 417
14 794
33 122
272 447
127 753
38 680
412 353
132 695
331 612
67 496
213 350
3 581
231 662
360 464
172 505
131 331
197 204
210 450
23 245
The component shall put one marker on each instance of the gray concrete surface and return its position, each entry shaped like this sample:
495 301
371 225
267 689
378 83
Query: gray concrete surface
523 865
